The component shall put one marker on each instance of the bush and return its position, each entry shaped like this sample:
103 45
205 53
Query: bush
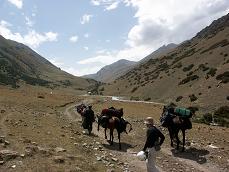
134 98
222 112
189 67
212 72
224 77
203 67
188 79
207 118
193 97
179 98
134 89
190 73
178 65
147 99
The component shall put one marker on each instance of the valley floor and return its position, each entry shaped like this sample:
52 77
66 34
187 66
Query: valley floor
41 131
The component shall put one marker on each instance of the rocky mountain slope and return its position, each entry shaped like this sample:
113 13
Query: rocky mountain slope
196 73
19 64
113 71
159 52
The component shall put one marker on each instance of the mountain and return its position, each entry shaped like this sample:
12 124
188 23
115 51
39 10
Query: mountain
195 73
21 65
111 72
160 51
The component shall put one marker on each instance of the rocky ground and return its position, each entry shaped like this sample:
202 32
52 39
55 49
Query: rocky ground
40 131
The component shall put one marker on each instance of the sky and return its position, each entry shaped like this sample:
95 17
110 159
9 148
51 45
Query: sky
82 36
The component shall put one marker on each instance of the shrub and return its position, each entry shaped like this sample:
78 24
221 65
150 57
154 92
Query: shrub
134 89
179 98
190 73
147 99
101 89
189 67
134 98
212 72
203 67
178 65
193 97
222 112
188 79
207 118
224 77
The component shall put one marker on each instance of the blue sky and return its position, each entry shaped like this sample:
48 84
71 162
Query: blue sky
81 36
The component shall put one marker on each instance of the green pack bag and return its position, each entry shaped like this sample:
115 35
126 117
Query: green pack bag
183 112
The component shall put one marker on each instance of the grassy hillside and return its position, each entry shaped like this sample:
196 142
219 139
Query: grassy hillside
20 65
196 73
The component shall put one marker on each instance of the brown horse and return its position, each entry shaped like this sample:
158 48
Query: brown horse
113 123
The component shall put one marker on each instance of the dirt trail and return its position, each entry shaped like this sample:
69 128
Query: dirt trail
129 156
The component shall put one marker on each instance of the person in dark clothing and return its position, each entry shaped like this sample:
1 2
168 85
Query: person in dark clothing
154 136
89 118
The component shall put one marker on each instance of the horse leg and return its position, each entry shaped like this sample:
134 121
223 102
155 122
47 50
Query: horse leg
183 131
111 137
177 138
119 140
171 136
89 128
105 131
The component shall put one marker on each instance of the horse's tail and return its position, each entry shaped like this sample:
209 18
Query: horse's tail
98 122
130 126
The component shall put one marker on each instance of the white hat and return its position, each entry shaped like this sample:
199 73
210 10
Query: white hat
141 155
149 120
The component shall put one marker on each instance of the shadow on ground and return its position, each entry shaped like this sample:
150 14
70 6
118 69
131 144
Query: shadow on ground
191 153
115 146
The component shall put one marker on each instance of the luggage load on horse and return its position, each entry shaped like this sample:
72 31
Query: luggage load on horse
111 118
112 112
183 112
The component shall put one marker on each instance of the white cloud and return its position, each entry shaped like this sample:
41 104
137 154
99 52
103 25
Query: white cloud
101 59
160 22
85 18
112 6
29 22
107 4
86 48
17 3
74 38
165 21
86 35
32 38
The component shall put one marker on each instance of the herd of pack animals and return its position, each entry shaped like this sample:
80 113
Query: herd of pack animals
173 118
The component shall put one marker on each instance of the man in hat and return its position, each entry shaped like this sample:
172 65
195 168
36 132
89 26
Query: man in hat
153 135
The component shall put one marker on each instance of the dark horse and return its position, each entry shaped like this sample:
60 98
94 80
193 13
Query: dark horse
112 123
87 115
174 122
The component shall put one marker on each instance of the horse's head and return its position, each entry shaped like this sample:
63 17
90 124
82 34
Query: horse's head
166 117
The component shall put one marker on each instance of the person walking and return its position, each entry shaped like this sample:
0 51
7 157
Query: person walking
89 118
154 139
